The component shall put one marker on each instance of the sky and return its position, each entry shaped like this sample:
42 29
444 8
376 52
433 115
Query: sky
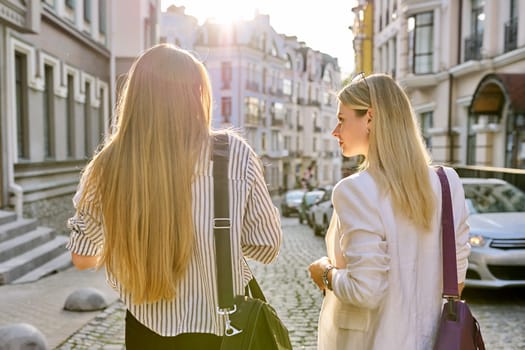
322 25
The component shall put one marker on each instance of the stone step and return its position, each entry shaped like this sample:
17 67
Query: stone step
20 265
24 242
6 216
15 228
61 262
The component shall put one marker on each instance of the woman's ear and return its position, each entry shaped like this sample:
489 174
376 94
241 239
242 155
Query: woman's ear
369 115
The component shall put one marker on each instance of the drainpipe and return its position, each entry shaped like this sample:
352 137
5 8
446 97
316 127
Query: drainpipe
449 131
451 84
9 132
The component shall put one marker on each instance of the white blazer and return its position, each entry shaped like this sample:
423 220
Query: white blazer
388 283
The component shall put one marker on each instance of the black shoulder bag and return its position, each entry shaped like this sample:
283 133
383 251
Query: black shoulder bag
251 323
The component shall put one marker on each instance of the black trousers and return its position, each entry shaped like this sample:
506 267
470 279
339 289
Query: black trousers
140 337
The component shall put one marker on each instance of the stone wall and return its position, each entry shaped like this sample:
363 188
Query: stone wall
51 212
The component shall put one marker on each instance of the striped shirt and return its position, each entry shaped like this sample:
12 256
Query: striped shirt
255 234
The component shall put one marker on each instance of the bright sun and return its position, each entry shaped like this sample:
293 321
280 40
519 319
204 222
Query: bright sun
225 11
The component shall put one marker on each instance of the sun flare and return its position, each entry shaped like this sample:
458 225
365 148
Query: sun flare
226 11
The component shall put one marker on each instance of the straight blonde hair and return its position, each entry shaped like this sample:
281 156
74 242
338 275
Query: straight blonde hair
397 157
142 176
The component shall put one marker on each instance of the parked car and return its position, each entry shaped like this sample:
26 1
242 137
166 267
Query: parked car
497 233
308 200
321 213
291 202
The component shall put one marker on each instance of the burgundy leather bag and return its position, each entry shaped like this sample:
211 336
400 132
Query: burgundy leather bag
458 329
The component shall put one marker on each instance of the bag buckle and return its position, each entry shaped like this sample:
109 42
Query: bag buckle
221 223
229 330
451 309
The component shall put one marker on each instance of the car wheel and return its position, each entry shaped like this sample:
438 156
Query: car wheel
317 230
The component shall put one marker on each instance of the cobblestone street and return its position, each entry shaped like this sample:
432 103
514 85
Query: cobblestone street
288 288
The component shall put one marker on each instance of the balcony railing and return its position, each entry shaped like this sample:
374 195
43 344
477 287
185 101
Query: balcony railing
252 120
277 122
252 86
511 35
473 47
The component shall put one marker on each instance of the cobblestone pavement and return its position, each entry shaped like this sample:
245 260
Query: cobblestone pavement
288 288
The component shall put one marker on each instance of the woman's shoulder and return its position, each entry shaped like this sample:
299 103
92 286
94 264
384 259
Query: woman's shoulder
235 139
360 184
361 180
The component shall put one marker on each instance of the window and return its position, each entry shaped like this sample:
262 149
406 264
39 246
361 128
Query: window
421 42
252 108
87 11
426 123
474 42
70 4
288 63
226 109
511 28
287 87
226 74
515 150
49 112
101 115
102 16
22 122
87 121
70 116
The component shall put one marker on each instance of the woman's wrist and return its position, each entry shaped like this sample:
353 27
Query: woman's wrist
327 276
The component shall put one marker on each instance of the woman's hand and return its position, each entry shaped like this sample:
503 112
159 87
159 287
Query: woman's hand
317 268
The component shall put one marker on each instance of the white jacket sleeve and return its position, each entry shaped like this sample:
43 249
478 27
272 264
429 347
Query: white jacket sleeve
363 281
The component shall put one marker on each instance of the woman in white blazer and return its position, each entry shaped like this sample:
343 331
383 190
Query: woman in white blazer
382 275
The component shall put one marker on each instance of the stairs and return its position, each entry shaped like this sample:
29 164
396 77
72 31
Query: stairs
28 251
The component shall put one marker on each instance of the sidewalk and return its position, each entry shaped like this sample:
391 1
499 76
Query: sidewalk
41 303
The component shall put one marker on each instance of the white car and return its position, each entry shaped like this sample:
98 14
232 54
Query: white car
321 213
497 233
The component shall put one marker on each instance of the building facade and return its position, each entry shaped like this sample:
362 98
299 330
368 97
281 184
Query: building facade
463 65
59 61
275 90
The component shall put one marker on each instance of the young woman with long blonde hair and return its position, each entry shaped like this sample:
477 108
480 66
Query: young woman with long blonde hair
382 273
144 208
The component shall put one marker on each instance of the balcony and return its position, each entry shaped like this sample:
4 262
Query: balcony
252 120
473 47
278 153
277 122
511 35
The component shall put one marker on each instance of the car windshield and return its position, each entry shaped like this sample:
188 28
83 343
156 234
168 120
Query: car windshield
493 198
311 197
294 195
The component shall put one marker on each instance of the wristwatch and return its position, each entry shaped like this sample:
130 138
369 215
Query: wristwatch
326 282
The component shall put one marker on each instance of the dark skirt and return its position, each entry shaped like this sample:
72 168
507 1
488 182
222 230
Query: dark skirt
140 337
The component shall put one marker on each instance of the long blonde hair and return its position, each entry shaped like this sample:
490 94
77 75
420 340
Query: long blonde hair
397 157
142 176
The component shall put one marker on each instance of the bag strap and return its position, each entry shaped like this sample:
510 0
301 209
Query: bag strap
221 221
450 277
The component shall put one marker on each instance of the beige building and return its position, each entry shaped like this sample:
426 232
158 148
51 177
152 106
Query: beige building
58 64
274 89
463 66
